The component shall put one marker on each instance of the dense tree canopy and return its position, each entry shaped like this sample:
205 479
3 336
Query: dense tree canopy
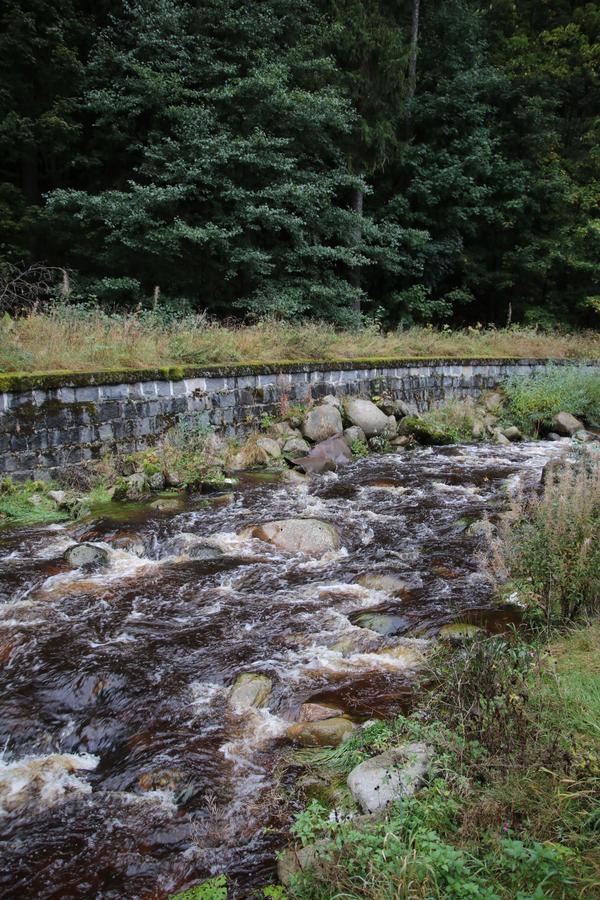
279 156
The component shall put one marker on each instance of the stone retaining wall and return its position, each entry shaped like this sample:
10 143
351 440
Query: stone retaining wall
49 422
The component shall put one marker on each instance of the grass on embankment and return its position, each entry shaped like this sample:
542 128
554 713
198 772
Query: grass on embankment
79 339
513 810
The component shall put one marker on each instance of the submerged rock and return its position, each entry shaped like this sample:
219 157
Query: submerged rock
382 623
86 556
458 632
321 423
42 781
194 546
165 504
367 416
326 456
311 536
566 424
250 690
389 777
317 712
323 733
390 584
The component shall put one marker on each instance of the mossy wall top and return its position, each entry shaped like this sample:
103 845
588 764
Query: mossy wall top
53 420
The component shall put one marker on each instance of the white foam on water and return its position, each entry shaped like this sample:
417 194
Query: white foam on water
204 694
42 781
259 728
408 656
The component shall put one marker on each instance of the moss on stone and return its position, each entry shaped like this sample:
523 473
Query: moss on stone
52 380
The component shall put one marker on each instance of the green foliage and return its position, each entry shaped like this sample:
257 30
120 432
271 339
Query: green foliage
534 401
268 157
213 889
359 449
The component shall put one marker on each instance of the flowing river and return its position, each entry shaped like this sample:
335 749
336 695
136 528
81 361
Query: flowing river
124 772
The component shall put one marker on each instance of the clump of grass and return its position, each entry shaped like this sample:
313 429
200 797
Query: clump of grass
85 338
548 543
533 402
27 504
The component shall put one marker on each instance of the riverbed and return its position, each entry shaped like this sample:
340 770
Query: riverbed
124 771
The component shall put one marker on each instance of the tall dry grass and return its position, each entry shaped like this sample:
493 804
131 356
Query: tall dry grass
549 543
83 339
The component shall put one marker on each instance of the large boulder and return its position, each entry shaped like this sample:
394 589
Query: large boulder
367 416
389 777
566 424
311 536
354 434
282 431
250 691
512 433
86 556
397 408
271 447
193 546
248 456
323 733
295 446
326 456
424 432
322 422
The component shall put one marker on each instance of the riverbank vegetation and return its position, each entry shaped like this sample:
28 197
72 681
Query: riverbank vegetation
332 158
86 338
510 807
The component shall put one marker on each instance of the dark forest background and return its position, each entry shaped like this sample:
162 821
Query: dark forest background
404 160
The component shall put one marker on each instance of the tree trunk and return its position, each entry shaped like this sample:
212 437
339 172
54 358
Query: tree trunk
414 46
357 208
29 174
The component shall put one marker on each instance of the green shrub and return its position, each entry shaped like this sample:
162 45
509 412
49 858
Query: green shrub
533 402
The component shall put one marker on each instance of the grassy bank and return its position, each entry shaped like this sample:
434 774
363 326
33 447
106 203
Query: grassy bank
512 809
80 339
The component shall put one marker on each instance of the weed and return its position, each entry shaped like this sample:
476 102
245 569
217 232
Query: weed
359 448
548 544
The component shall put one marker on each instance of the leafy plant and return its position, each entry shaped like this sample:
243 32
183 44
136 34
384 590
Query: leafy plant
359 448
213 889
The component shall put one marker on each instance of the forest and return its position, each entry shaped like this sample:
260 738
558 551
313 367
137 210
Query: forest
396 161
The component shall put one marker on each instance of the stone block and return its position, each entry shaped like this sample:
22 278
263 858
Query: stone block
89 394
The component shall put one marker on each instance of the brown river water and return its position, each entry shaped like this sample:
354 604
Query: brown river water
123 772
